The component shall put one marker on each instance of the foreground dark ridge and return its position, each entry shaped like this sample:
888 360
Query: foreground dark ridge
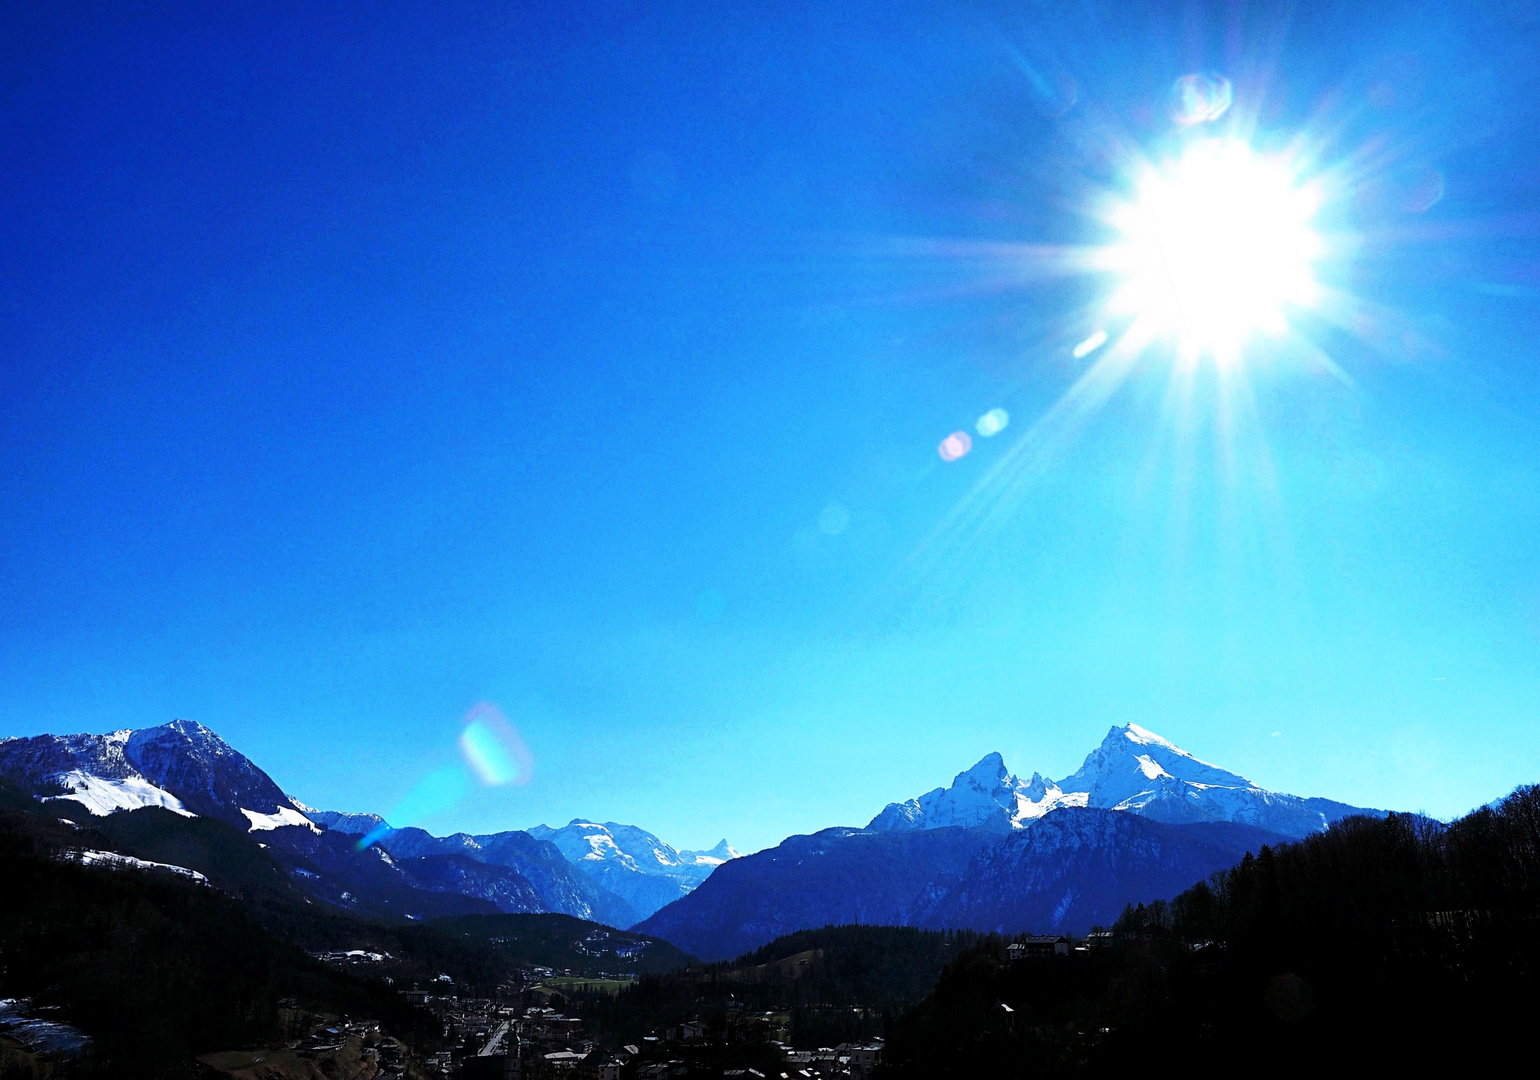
1380 943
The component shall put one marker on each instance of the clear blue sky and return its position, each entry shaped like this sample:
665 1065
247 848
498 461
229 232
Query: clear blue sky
359 363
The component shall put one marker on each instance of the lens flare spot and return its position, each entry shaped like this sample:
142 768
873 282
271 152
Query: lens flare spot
992 423
955 446
1199 99
834 520
1424 190
433 794
493 749
1089 345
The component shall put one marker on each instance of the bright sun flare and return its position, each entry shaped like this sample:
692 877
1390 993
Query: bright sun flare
1216 246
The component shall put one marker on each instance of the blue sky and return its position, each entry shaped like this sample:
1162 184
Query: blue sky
359 365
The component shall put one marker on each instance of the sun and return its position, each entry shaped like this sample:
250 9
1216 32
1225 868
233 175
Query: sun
1214 247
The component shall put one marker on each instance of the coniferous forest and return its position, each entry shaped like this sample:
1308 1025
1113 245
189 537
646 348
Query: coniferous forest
1398 941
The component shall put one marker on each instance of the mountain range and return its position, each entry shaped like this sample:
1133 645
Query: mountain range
1140 819
1133 769
187 769
633 863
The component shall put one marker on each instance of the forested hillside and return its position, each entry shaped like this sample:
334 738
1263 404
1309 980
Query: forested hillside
154 967
825 986
1379 941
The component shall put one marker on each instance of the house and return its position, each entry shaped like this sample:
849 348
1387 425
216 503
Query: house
565 1059
490 1067
601 1065
693 1031
859 1059
1036 947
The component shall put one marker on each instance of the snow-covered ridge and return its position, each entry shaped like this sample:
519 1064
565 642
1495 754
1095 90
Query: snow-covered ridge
351 824
631 848
1133 770
632 862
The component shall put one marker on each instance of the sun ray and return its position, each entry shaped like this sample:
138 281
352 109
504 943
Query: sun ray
1224 263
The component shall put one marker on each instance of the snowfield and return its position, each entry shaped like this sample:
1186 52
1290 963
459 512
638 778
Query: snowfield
103 796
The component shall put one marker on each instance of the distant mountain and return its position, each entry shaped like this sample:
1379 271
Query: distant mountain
989 851
616 874
182 766
352 824
632 862
1140 820
713 856
830 878
562 886
1073 868
187 769
1133 770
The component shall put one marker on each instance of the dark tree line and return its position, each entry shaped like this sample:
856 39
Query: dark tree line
1378 943
156 969
834 984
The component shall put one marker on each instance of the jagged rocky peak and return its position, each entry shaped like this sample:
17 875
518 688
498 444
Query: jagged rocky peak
1133 770
629 847
1134 763
985 796
716 856
633 863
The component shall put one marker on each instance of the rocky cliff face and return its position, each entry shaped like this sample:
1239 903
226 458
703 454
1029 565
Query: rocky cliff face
209 777
1078 867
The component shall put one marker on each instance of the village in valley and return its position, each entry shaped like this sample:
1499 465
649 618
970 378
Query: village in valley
532 1029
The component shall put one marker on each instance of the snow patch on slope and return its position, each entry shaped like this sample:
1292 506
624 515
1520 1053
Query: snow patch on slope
278 819
102 795
128 862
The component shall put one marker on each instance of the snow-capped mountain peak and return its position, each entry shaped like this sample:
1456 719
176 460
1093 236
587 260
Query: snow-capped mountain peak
632 862
181 766
1133 769
985 795
723 852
